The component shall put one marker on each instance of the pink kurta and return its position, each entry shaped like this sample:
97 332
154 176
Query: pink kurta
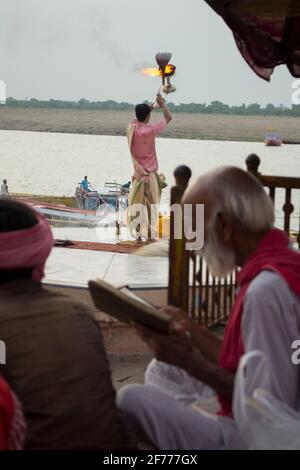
145 188
143 143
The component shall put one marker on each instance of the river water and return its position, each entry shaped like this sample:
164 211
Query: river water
53 163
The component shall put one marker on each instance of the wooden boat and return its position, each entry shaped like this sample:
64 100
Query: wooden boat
64 216
68 201
108 194
84 209
113 194
88 209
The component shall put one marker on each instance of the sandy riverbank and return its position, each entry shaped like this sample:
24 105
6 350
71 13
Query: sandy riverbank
184 125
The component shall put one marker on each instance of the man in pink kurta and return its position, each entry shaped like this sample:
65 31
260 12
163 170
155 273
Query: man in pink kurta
143 144
146 189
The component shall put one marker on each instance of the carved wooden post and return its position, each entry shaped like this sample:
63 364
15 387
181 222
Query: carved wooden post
252 163
178 290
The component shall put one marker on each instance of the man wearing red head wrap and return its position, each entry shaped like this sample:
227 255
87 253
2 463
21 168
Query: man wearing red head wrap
25 248
56 361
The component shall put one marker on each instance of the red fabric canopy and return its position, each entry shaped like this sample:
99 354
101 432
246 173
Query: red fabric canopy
267 32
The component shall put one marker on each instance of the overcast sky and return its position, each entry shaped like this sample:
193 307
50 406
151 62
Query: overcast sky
69 49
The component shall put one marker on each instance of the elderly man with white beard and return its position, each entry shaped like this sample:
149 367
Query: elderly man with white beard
265 316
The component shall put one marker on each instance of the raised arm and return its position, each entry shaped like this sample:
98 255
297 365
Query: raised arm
161 103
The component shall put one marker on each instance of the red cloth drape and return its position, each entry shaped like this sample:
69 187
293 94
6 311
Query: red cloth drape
267 32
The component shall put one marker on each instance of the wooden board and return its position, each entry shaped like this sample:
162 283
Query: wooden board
126 308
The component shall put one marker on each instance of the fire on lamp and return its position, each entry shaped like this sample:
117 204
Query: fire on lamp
164 70
156 72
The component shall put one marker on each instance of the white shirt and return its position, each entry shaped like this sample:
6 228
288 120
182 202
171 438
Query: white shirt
270 323
4 191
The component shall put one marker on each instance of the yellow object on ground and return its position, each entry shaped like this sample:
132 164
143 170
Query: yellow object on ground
163 226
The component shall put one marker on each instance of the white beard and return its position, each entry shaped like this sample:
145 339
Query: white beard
220 259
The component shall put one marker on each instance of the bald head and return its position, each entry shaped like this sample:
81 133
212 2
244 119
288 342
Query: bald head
236 194
237 214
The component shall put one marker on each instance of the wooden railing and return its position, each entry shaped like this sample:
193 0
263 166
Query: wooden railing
208 300
275 183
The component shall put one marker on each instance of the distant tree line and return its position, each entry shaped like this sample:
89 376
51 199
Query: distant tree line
215 107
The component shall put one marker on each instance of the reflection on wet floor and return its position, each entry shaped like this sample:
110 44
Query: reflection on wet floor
77 267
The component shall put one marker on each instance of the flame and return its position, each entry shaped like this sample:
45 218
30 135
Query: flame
155 72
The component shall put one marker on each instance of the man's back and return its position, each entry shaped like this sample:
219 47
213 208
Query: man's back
85 184
57 365
143 144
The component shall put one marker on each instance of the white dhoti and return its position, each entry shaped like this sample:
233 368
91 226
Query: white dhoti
143 207
171 425
176 411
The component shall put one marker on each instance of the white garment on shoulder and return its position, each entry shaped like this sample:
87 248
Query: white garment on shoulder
4 191
270 323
